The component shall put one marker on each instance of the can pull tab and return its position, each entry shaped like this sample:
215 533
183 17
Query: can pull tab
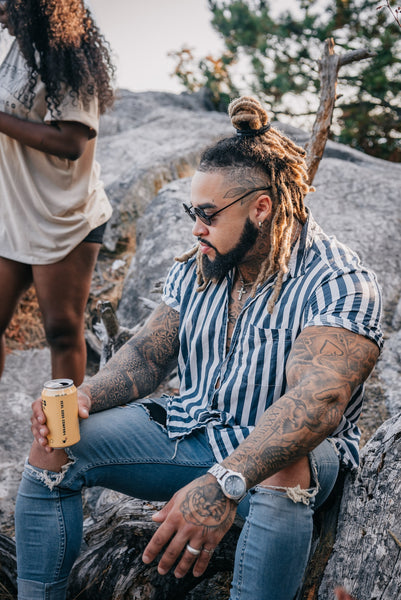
57 384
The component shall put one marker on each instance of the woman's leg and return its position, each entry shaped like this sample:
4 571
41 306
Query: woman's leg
274 544
63 290
15 279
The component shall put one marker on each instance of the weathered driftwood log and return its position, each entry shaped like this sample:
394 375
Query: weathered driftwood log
8 569
366 558
111 567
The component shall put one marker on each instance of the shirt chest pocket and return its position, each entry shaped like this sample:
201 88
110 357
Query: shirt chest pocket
265 352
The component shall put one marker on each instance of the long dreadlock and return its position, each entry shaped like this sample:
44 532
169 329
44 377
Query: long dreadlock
261 148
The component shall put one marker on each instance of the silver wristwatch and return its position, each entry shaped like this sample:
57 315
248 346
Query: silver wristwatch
233 484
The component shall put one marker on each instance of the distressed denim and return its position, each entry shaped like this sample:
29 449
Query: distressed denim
274 544
126 450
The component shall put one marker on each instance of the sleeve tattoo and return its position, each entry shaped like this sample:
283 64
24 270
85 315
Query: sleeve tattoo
324 368
140 365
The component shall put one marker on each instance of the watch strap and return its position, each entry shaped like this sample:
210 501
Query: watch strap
219 471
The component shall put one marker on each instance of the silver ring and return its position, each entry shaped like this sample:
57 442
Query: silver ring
210 552
193 551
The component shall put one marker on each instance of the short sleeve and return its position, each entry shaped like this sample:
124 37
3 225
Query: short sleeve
172 287
73 109
351 300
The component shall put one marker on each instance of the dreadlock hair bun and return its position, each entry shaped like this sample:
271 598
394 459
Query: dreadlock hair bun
247 114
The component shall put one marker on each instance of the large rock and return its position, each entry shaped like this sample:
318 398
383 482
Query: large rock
163 232
151 140
21 383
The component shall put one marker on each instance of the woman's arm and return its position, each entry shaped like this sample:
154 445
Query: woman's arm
64 139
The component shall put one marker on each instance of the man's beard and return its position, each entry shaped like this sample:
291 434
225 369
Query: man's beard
223 263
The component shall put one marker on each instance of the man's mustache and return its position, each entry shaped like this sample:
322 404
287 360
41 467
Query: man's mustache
206 243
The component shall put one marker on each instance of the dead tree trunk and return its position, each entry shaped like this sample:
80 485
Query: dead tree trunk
329 66
8 568
111 566
366 558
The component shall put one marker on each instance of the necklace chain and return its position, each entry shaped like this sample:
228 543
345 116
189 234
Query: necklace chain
244 285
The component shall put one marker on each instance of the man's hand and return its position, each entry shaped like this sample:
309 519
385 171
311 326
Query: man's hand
38 419
199 515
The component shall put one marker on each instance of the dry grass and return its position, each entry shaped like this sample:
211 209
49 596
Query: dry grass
26 330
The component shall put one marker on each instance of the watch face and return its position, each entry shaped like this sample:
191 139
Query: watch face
234 486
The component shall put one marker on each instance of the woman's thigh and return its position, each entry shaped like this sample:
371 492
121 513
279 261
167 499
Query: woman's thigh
15 279
63 287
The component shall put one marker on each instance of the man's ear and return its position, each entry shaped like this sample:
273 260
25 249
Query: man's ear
262 209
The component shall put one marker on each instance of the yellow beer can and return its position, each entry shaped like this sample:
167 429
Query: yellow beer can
60 405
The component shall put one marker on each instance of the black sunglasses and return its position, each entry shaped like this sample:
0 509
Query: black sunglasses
207 219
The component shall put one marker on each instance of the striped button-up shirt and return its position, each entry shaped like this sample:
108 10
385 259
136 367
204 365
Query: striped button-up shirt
228 391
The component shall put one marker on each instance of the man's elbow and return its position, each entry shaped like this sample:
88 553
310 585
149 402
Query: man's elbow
334 411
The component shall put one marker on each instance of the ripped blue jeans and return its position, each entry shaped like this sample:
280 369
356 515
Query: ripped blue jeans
126 450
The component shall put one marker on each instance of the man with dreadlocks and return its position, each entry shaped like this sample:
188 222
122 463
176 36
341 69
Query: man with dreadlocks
275 327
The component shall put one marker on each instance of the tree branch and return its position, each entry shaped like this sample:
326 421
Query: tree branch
329 65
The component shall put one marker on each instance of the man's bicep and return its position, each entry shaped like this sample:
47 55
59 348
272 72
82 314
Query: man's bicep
331 358
159 335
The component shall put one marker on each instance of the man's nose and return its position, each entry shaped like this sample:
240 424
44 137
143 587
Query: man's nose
199 229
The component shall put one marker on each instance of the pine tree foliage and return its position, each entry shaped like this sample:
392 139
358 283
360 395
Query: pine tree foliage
279 55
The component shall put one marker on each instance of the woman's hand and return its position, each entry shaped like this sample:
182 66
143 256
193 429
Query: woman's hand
38 419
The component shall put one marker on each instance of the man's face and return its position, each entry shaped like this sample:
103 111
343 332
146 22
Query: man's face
221 264
232 234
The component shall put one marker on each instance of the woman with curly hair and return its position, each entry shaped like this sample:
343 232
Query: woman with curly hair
54 83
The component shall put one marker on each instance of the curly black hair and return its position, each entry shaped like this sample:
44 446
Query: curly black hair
62 44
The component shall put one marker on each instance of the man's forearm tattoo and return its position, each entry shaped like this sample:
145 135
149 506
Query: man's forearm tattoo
325 366
140 365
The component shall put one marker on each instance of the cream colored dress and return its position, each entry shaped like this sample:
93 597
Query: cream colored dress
48 205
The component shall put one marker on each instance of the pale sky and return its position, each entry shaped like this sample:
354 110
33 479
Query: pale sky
142 32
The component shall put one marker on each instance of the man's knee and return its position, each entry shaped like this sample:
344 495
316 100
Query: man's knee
295 475
43 459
